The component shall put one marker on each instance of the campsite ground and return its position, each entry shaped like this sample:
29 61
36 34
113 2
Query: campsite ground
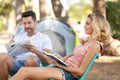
104 68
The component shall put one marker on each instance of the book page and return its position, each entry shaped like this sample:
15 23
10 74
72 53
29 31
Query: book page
54 57
16 48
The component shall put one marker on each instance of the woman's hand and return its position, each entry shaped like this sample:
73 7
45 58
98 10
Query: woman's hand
58 56
53 61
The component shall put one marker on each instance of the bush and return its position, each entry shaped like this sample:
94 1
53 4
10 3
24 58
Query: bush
113 16
2 27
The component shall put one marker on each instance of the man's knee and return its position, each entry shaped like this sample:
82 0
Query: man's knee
31 61
4 57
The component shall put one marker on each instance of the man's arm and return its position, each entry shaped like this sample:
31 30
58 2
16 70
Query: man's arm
12 40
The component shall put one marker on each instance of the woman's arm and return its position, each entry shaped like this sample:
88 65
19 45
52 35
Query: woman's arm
90 53
66 57
62 58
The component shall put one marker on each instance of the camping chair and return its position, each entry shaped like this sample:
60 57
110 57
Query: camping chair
87 69
89 66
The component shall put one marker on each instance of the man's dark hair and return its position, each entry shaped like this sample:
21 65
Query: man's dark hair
29 13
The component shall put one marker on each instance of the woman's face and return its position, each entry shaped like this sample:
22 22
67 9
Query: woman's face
88 26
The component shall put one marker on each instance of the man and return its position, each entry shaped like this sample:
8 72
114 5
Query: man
10 65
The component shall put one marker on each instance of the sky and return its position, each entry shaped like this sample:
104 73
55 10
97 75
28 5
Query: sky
67 3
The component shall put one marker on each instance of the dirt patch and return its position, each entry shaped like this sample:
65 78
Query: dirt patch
105 68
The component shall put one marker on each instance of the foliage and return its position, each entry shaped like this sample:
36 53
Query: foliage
5 8
2 27
79 11
113 16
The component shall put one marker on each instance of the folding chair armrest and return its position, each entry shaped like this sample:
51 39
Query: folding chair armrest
89 66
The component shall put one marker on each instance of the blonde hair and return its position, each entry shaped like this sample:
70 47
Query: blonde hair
101 28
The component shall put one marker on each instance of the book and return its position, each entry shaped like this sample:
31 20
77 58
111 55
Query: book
56 58
16 48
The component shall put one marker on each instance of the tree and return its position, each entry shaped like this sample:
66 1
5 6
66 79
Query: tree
17 5
62 14
5 9
44 9
59 10
99 7
111 48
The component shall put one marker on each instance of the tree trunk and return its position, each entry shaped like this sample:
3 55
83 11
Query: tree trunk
44 8
62 14
17 4
99 7
29 6
59 10
113 48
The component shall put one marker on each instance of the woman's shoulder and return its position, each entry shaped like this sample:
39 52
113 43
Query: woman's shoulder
98 45
90 42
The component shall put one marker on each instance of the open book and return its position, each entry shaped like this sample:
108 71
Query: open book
56 58
16 48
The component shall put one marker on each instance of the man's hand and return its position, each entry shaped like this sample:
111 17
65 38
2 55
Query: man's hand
31 48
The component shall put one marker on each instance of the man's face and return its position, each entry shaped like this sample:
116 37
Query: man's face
29 24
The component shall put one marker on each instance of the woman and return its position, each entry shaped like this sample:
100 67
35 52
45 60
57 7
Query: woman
98 30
